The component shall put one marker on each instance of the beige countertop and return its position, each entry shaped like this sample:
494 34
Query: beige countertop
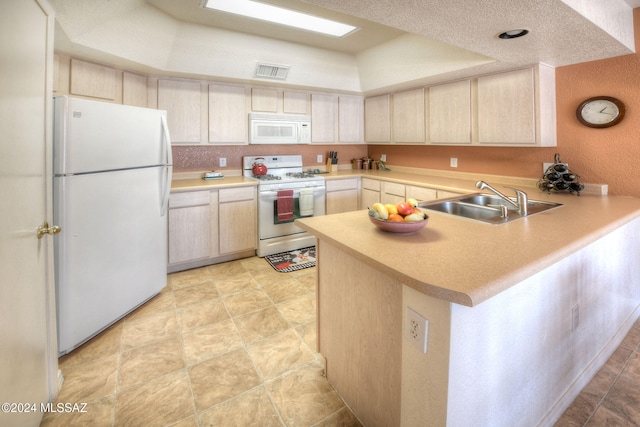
194 184
467 262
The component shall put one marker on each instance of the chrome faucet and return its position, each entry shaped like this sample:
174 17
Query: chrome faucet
521 202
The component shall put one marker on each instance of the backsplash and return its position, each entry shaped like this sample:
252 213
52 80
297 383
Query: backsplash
195 158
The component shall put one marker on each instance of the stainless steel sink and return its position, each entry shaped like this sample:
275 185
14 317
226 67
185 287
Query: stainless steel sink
486 208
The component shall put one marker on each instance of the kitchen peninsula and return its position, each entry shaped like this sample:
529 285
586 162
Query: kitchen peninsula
520 315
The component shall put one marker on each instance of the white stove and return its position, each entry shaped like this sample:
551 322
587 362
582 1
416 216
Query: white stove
285 193
282 172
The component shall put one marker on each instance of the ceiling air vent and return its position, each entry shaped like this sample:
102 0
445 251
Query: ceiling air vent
271 71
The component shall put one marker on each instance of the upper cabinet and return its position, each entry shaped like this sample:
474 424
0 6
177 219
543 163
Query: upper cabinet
506 108
323 118
228 117
409 117
514 108
449 115
350 119
181 100
92 80
377 119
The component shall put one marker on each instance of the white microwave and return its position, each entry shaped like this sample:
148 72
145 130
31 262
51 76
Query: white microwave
279 129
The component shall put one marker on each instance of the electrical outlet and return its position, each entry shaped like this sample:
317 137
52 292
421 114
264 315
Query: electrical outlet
319 158
417 329
383 157
454 162
223 162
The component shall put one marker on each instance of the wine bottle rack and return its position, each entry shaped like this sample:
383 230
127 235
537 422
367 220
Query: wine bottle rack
559 178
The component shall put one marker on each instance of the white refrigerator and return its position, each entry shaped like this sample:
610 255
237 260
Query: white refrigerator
112 177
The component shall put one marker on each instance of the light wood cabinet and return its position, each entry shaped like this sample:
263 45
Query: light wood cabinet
92 80
506 108
341 195
350 119
450 113
181 100
189 227
370 192
208 227
377 119
392 192
295 102
134 90
228 117
421 194
323 118
264 99
409 117
237 212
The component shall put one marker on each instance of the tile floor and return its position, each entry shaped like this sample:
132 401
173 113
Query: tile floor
612 398
234 345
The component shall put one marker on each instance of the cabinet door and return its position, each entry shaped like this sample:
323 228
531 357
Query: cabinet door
181 100
323 118
506 108
189 226
94 80
377 119
342 195
134 90
350 119
392 192
237 213
409 117
369 197
295 102
264 99
341 201
228 114
450 113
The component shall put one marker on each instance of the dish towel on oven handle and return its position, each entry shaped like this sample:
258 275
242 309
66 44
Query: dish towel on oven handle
285 205
306 202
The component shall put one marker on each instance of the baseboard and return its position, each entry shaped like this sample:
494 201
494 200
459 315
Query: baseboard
590 371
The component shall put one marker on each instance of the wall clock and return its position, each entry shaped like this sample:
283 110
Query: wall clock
600 112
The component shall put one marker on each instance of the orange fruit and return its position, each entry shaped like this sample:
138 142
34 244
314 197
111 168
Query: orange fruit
396 218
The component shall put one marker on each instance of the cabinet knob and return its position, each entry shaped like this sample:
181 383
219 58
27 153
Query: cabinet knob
45 229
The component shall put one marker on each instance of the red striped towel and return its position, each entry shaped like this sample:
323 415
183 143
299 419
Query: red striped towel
285 205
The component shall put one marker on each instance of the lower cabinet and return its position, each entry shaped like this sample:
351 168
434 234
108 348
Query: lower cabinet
392 192
237 216
341 196
206 227
190 227
370 192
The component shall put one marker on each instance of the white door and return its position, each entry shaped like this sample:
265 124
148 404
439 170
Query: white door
27 349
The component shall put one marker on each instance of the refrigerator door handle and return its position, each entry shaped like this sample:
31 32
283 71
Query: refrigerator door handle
168 168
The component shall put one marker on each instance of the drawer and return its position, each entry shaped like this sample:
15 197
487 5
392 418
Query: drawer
393 188
421 194
370 184
189 198
236 194
342 184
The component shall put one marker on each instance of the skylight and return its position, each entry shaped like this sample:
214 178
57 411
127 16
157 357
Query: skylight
278 15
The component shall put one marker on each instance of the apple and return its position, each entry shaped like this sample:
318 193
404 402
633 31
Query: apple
414 217
404 208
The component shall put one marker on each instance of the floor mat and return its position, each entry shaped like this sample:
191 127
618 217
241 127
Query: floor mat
285 262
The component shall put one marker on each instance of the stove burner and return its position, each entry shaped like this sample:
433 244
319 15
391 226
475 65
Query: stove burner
300 175
267 177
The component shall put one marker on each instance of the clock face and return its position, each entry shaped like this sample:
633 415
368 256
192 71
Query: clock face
600 112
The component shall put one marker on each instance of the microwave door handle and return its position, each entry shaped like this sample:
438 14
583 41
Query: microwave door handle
299 125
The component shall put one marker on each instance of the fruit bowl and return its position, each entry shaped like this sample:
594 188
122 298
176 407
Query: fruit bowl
399 226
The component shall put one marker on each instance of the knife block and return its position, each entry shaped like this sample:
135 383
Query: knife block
329 165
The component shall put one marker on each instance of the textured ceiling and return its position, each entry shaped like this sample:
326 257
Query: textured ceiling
400 42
